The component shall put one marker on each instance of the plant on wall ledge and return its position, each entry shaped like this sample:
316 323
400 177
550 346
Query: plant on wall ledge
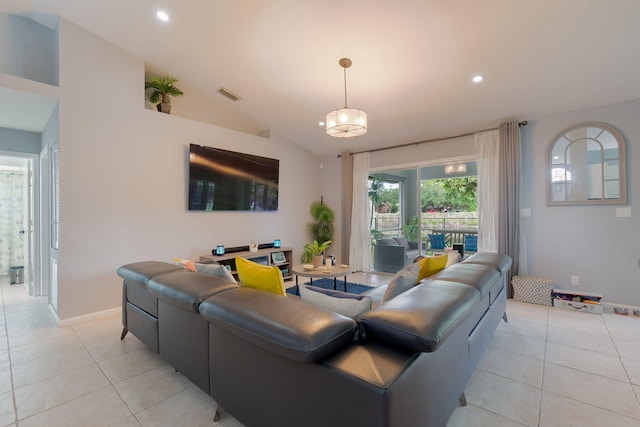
163 89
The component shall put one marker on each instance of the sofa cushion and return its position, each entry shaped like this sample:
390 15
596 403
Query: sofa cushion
430 265
437 241
404 280
347 304
289 327
402 242
421 318
186 290
258 276
500 262
389 241
479 276
142 272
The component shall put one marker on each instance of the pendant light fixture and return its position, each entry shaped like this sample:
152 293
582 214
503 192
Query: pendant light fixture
346 122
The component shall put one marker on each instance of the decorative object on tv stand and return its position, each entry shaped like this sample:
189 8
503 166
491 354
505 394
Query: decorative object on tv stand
315 252
253 247
162 90
346 122
220 250
277 243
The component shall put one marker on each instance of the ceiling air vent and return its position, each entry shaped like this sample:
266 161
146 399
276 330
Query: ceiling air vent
226 92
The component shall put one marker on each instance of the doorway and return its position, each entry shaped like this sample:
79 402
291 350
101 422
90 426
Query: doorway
17 244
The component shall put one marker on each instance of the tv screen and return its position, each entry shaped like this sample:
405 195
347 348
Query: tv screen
222 180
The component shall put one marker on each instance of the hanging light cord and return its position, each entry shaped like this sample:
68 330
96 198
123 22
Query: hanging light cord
344 69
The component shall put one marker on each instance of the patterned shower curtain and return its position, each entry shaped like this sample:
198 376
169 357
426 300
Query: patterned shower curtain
11 220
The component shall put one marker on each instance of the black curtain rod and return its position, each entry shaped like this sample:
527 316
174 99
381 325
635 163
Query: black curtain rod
417 143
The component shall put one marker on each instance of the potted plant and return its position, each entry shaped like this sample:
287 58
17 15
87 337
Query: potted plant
314 252
163 89
322 229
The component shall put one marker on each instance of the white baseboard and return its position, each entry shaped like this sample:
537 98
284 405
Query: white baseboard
608 307
85 317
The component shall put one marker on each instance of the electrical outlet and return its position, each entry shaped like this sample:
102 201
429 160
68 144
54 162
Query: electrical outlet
526 212
575 280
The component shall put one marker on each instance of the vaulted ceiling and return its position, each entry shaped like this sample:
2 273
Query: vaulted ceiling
413 60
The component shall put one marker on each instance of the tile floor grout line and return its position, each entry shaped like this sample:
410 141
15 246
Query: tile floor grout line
604 408
544 363
6 331
496 413
626 372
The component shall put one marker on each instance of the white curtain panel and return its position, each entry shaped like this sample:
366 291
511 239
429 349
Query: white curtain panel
487 145
347 201
360 242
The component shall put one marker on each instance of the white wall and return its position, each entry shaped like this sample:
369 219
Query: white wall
124 178
587 241
28 49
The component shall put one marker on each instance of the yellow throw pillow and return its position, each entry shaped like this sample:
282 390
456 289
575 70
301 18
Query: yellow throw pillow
258 276
431 265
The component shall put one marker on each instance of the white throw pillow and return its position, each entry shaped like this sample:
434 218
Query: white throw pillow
215 270
454 256
350 305
404 280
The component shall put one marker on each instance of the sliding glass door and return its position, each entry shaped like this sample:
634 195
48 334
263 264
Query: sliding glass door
411 205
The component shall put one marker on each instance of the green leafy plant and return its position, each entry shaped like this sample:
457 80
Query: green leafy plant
163 89
412 229
315 248
323 227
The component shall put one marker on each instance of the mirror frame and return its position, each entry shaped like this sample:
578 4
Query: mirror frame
622 159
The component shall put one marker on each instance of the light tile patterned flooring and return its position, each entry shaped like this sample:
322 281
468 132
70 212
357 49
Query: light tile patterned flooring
546 367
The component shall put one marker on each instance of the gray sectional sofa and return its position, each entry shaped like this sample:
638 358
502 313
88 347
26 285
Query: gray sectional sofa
278 361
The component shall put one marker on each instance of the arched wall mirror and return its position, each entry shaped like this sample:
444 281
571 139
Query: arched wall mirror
586 165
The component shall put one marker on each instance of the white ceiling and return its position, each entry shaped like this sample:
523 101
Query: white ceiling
413 60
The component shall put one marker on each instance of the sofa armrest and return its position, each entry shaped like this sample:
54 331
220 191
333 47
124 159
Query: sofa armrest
286 326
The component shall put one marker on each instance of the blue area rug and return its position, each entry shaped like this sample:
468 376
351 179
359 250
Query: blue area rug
353 288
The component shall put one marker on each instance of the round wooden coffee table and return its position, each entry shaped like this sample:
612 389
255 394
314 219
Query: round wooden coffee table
322 272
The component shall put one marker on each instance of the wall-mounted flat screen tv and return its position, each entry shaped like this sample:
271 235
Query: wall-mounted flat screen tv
223 180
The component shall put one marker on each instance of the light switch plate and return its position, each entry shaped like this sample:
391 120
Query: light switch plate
623 212
526 212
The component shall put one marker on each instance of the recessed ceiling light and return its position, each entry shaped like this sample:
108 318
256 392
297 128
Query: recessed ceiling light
477 79
162 15
320 123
